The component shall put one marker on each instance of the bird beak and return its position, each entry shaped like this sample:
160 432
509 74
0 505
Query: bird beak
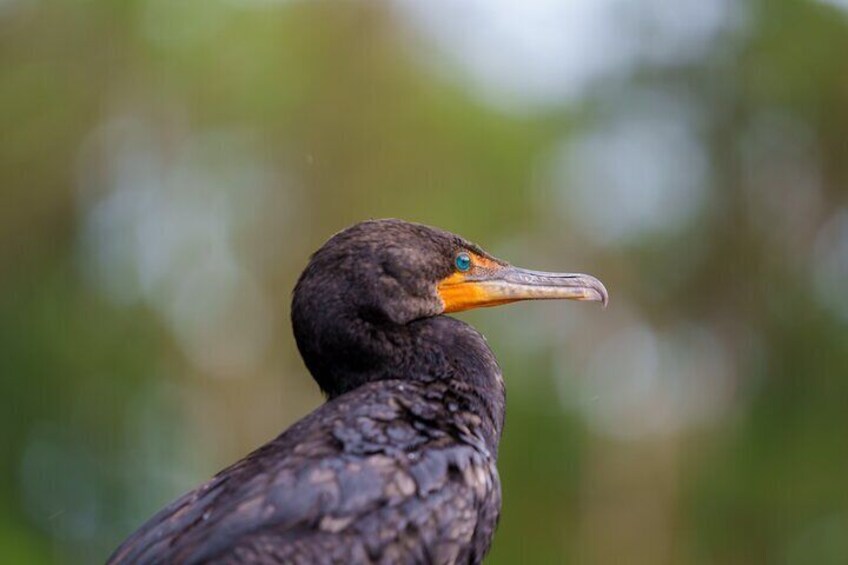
492 284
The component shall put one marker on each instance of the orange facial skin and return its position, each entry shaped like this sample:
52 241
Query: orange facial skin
458 293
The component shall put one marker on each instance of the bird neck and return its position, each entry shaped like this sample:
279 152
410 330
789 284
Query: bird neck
440 350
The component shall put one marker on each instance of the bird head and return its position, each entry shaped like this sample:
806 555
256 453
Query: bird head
370 280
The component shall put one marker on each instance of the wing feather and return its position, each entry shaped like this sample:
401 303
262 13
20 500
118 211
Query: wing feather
348 484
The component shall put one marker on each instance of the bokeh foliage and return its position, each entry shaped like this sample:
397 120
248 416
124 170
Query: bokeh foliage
151 148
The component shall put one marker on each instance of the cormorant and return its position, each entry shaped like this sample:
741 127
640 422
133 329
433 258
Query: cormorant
398 466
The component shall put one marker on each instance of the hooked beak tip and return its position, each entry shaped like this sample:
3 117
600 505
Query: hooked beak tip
602 295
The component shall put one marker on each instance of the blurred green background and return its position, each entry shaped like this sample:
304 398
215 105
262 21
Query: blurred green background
166 167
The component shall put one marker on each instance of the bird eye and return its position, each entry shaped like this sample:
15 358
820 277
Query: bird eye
463 262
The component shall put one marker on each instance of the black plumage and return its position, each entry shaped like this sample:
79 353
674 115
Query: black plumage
398 466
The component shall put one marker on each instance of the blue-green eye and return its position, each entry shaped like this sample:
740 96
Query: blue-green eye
463 262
